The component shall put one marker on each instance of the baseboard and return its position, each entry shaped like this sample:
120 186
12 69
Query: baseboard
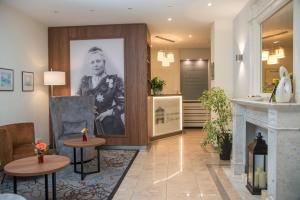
165 135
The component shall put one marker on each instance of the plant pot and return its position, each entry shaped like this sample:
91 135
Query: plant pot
226 149
156 91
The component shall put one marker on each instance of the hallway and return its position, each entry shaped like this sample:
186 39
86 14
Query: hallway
177 168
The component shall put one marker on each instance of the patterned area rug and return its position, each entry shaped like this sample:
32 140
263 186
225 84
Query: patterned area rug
100 186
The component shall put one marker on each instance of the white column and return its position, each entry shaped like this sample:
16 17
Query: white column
238 140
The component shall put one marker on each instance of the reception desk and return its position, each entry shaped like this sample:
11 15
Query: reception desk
165 115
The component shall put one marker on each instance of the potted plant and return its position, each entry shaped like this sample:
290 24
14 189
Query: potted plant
157 85
218 131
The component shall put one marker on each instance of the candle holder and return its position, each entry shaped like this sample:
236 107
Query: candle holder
256 172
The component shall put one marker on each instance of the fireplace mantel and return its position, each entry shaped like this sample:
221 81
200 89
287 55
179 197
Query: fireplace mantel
282 124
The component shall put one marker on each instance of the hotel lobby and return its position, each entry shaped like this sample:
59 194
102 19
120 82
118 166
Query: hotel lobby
149 100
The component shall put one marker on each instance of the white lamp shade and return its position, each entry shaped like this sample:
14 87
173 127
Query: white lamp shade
280 52
265 55
170 57
272 60
54 78
160 56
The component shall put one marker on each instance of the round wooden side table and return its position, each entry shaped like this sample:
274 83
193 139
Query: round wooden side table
27 167
79 143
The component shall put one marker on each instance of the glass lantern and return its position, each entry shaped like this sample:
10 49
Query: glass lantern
257 165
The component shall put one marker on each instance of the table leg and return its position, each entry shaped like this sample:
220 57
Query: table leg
46 187
54 186
74 159
15 184
98 155
81 163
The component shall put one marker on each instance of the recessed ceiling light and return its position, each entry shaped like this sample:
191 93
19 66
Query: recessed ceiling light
209 4
92 10
55 11
129 8
190 36
275 42
170 19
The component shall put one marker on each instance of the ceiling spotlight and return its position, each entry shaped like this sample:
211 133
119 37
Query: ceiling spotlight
276 42
209 4
190 36
170 19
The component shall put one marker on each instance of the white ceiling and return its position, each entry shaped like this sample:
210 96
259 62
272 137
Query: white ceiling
189 16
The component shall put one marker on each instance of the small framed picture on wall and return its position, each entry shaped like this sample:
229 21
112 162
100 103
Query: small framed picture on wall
6 79
27 81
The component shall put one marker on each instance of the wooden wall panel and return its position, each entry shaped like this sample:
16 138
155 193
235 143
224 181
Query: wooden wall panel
136 38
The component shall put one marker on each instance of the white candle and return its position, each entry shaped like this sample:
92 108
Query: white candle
256 179
264 194
262 179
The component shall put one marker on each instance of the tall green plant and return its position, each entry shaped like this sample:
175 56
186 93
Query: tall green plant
216 101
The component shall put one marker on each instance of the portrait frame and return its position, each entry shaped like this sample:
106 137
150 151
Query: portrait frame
114 51
27 81
6 79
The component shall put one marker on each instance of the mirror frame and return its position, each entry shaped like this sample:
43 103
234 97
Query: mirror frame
259 13
261 46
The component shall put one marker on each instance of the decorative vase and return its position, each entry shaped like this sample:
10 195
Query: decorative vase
284 89
40 158
84 138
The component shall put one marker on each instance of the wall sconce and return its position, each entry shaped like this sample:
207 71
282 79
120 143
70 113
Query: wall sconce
239 57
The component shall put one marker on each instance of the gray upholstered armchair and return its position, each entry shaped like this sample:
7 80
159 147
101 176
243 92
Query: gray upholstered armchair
69 116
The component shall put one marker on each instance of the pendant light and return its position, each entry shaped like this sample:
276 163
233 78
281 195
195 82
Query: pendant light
272 60
280 52
265 55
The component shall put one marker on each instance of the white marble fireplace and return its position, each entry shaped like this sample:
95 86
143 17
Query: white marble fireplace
280 124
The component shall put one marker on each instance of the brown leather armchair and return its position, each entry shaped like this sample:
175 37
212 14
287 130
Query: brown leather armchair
16 141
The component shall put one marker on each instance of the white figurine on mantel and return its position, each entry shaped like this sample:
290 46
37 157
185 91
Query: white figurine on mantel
284 88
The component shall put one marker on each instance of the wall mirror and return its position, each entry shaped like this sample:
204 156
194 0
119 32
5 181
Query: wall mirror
277 46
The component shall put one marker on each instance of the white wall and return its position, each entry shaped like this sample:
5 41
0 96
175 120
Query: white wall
221 55
24 46
194 53
241 70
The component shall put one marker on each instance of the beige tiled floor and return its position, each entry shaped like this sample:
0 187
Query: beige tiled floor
176 168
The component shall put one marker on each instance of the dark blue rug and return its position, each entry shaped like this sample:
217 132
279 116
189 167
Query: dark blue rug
100 186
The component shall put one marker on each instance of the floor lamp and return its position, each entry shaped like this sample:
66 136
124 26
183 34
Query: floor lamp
52 78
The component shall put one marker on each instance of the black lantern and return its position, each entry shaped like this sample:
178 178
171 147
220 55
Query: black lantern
257 165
